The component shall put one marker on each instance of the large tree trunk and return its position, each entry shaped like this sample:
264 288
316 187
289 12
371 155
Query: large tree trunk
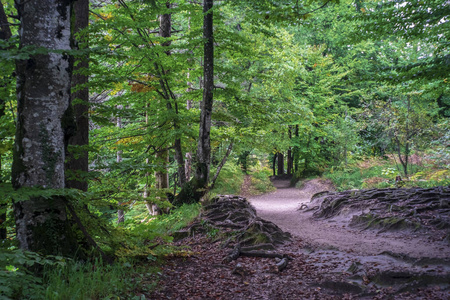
78 164
194 190
43 125
5 34
204 147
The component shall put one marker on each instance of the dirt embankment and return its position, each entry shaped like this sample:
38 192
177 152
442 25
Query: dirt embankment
282 208
354 261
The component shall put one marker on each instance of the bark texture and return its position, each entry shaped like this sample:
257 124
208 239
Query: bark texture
43 102
204 146
194 190
77 162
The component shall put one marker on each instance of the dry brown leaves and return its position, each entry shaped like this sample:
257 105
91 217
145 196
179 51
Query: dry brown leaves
203 276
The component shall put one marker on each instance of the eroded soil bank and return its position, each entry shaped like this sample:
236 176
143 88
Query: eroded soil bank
402 260
282 208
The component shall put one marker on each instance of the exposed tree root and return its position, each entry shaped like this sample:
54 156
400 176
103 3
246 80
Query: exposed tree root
390 209
250 235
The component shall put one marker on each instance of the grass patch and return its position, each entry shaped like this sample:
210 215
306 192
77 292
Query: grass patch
96 281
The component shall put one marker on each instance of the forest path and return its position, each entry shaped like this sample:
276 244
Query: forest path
329 260
281 207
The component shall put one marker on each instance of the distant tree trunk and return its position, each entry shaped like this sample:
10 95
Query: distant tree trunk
162 156
290 163
5 34
81 98
280 163
179 158
148 204
274 163
161 177
120 212
220 166
78 164
296 150
188 156
165 30
243 160
43 126
188 165
404 159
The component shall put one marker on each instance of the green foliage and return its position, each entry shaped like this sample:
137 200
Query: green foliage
423 25
260 181
230 179
312 89
379 173
95 280
143 231
260 178
18 273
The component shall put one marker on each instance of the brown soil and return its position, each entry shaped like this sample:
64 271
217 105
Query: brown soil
329 260
282 208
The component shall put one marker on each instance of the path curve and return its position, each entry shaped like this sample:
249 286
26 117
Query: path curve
281 207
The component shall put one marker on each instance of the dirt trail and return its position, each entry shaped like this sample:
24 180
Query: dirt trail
281 207
329 260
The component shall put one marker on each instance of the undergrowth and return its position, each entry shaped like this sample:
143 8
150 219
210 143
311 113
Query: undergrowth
382 173
260 180
96 281
145 242
232 177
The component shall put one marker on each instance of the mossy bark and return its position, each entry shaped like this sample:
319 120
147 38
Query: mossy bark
43 101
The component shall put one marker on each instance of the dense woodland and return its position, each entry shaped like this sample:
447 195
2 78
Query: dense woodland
119 118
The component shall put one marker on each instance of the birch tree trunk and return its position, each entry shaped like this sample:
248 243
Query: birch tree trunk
43 126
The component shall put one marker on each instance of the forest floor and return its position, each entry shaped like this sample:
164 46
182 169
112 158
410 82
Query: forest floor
330 260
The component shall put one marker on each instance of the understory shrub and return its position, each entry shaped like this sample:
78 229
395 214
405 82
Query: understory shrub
230 179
